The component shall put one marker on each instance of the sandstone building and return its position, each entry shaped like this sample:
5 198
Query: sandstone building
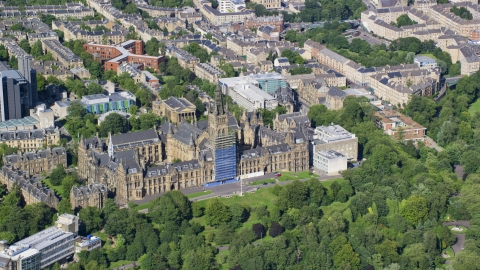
44 160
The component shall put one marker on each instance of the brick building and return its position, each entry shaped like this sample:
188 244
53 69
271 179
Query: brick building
130 51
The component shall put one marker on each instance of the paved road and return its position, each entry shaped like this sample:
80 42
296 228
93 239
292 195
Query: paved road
432 144
127 266
458 246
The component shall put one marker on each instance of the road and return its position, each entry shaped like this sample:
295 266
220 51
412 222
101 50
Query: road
231 189
458 246
127 266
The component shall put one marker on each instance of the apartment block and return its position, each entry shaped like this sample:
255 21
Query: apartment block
399 126
44 160
31 140
208 72
130 51
93 195
255 22
62 53
184 58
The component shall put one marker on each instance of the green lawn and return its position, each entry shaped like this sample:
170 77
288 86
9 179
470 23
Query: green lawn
449 251
474 107
262 197
198 194
428 55
260 182
119 263
57 189
287 176
464 229
101 235
221 257
329 182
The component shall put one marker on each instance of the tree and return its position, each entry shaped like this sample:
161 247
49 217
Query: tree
152 47
114 123
67 183
147 121
144 96
57 175
217 213
36 50
275 229
41 82
95 88
64 207
92 217
414 209
346 258
259 230
133 110
201 259
25 45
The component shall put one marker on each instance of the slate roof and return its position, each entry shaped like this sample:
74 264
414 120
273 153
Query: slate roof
133 138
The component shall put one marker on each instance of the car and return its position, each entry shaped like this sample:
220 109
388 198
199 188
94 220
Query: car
273 182
265 183
278 174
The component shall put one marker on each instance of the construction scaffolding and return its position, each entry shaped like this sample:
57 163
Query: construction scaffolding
225 157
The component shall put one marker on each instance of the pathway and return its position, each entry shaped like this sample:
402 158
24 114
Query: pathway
127 266
232 188
458 246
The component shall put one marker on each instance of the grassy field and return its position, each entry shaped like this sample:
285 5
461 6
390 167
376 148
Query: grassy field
260 182
450 253
262 197
287 176
328 183
57 189
428 55
475 107
198 194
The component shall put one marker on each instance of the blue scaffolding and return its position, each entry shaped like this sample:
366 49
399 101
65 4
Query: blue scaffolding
225 159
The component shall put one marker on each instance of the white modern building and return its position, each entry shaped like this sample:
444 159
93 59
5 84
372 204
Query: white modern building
245 91
329 162
335 137
42 249
228 6
425 61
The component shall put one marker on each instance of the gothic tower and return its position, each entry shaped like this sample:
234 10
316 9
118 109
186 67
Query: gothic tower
222 141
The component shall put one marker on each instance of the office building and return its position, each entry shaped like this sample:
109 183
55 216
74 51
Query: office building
329 162
42 249
15 95
30 74
335 137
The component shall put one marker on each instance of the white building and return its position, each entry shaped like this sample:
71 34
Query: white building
249 92
227 6
425 61
329 162
335 137
42 249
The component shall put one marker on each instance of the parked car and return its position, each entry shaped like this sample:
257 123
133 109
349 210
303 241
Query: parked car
278 174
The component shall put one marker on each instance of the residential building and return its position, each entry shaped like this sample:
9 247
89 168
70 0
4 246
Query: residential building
269 4
227 6
425 61
72 10
208 72
255 22
217 18
43 249
36 162
32 189
335 137
399 126
329 162
92 195
175 109
31 140
268 32
185 59
130 51
62 53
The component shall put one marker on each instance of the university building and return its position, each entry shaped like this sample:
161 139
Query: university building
182 155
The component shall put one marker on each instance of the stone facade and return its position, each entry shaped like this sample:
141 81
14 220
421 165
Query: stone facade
90 195
135 165
31 140
37 162
33 191
175 109
256 22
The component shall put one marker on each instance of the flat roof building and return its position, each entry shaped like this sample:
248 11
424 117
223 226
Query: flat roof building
329 162
335 137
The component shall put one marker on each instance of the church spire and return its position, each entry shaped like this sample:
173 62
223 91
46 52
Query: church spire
110 146
218 110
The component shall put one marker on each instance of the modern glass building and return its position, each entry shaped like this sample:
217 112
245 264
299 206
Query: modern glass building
100 103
